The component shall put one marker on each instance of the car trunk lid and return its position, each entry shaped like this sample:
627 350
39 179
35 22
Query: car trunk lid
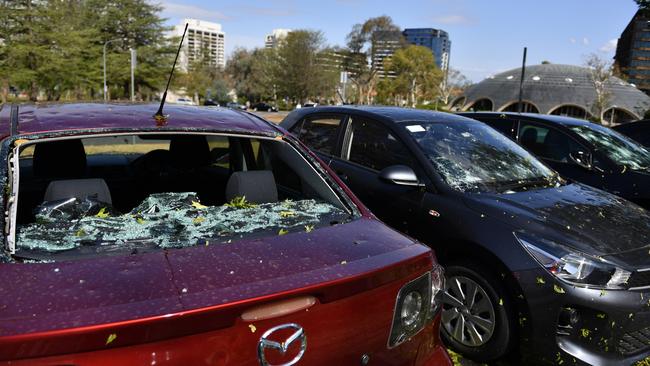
80 306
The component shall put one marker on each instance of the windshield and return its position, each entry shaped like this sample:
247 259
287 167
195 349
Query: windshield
471 156
620 149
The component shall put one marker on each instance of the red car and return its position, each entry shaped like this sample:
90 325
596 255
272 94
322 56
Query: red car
210 237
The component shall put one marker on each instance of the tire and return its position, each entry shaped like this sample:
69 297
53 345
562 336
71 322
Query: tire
484 331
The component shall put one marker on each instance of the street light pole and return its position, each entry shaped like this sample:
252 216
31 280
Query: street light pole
104 62
133 61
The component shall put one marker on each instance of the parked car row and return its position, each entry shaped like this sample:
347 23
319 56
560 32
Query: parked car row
536 261
261 106
211 236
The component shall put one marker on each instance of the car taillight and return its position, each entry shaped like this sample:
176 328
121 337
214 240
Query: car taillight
416 303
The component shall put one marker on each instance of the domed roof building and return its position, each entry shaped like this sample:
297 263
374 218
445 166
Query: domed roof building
555 89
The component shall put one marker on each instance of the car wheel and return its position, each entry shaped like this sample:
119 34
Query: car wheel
477 316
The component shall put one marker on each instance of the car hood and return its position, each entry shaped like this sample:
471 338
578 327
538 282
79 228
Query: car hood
578 216
42 297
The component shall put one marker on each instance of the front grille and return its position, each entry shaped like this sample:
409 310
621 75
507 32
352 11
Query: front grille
633 342
639 279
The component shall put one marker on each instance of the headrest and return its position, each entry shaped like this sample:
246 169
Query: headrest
529 137
258 186
79 188
59 159
189 151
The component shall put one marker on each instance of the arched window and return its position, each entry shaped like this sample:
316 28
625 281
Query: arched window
527 107
458 103
618 115
483 104
570 110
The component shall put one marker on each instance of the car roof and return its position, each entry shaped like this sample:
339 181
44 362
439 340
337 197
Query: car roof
393 114
41 118
561 120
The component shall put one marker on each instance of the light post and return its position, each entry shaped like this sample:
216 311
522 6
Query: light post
104 62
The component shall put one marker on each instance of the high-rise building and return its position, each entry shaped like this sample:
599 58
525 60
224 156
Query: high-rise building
435 39
205 41
337 60
277 35
384 45
633 52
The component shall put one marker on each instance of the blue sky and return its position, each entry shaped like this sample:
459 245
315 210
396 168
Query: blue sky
487 35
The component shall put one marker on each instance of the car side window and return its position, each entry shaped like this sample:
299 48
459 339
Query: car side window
505 126
320 133
374 146
548 143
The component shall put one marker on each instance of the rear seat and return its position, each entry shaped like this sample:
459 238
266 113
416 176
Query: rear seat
79 188
54 160
258 186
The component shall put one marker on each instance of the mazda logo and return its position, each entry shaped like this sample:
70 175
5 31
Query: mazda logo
282 347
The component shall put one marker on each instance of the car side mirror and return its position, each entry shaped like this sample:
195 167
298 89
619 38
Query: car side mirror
400 175
581 158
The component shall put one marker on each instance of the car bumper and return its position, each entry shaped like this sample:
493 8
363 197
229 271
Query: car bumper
579 325
439 357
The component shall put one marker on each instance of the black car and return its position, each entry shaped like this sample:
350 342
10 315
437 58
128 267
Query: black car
580 150
639 131
555 269
263 107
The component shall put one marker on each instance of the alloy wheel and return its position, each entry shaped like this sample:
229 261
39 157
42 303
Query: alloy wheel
468 315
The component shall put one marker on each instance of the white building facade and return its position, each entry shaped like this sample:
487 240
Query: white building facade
204 41
277 35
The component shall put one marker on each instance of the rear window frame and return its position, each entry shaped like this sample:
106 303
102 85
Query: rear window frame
12 145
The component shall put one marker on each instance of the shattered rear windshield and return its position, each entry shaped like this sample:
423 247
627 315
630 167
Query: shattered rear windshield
472 157
148 193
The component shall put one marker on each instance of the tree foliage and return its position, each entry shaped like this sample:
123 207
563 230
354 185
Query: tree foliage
416 75
360 43
253 73
294 70
601 73
452 85
53 49
300 74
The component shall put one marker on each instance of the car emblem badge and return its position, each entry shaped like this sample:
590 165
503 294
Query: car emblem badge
282 347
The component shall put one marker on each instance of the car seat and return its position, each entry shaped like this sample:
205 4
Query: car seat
258 186
59 159
78 188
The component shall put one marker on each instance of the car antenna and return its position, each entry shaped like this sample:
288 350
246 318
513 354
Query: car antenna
159 116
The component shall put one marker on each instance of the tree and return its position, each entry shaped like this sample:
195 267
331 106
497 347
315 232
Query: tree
601 73
453 84
22 27
299 73
253 73
416 73
135 24
360 43
53 49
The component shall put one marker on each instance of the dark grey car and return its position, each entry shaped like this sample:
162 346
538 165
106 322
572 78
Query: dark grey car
557 269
